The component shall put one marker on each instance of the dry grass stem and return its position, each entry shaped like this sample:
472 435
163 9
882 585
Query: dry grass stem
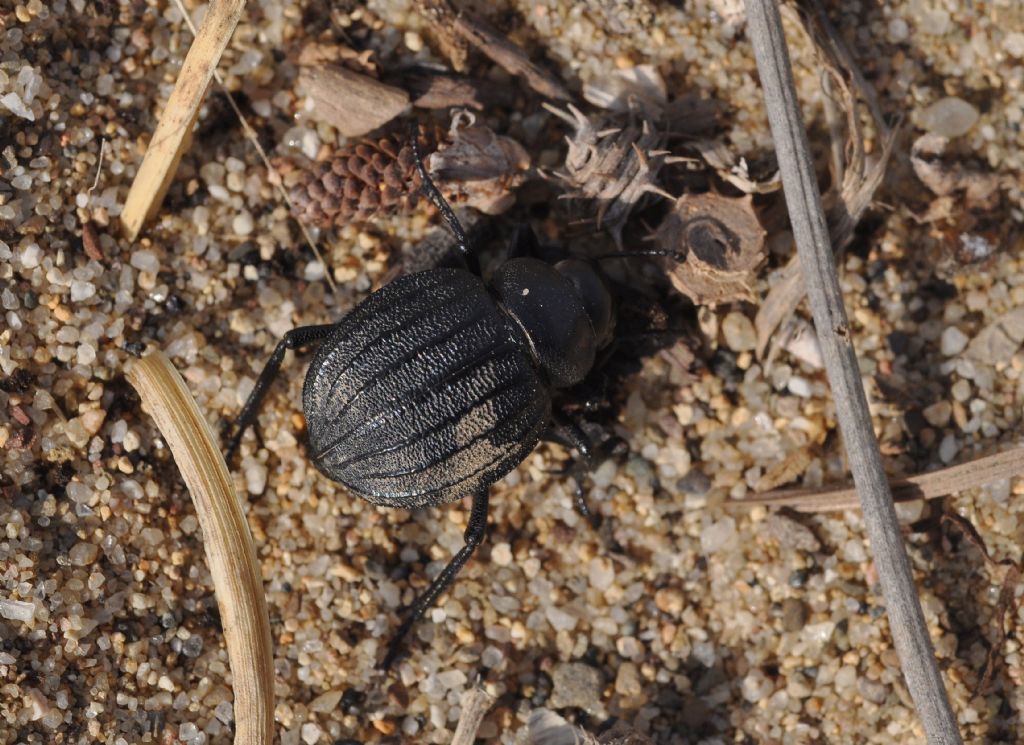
173 131
814 245
229 548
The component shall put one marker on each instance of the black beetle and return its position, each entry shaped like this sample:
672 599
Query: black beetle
439 384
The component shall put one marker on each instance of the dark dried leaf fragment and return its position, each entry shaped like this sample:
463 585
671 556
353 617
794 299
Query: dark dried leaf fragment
450 27
351 102
1007 600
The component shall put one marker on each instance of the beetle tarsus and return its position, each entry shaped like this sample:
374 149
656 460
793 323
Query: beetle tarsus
570 434
474 536
294 339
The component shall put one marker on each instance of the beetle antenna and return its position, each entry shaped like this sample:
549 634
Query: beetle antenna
646 252
430 189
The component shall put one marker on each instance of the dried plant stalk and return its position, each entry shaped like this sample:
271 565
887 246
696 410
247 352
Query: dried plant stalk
814 246
175 126
229 548
475 702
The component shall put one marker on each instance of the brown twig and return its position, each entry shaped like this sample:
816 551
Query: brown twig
474 702
810 230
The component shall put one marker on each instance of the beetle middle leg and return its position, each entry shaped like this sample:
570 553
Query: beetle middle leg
294 339
474 536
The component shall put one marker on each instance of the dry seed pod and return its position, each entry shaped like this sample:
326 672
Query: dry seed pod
722 242
471 165
614 162
479 167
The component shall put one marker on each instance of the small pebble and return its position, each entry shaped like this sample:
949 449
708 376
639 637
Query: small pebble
452 679
669 600
695 482
243 223
627 680
738 331
559 619
845 678
601 573
501 554
16 610
756 686
938 413
1013 43
949 117
794 614
311 733
948 449
82 554
575 685
145 261
326 702
14 104
799 386
718 535
953 341
81 290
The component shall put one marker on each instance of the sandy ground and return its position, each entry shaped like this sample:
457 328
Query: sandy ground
693 622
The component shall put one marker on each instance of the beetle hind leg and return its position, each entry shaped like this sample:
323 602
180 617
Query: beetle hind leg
294 339
474 536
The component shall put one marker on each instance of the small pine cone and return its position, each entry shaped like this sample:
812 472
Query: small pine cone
361 180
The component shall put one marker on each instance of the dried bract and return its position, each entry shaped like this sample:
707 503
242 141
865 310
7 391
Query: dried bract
317 53
733 170
721 244
625 90
441 89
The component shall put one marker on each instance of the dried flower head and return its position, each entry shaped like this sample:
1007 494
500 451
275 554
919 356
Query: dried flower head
613 161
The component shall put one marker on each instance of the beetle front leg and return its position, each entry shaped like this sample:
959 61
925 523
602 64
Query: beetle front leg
428 187
474 536
299 337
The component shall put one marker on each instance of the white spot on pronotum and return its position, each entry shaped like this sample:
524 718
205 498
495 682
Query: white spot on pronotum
526 291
